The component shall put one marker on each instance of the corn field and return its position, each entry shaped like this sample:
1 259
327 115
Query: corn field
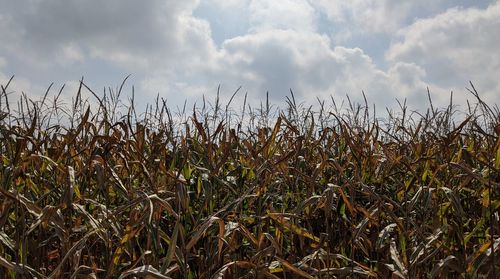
106 192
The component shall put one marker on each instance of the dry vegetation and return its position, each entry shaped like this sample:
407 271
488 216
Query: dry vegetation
94 193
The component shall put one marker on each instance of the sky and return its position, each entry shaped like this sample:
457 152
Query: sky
183 50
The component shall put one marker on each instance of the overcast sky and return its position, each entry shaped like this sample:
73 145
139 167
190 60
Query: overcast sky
390 49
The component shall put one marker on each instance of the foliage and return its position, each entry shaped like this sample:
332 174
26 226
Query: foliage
95 193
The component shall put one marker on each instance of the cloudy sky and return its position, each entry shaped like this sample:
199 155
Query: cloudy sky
182 50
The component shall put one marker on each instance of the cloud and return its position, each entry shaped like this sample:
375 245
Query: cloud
105 40
374 15
282 14
279 60
227 4
112 30
70 53
182 49
227 18
454 47
384 16
16 88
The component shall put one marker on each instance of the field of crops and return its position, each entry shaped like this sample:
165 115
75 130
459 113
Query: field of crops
106 192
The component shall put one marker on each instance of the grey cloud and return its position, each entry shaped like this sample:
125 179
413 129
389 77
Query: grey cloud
62 40
277 60
109 29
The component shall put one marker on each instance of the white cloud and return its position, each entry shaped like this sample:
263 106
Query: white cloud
227 18
454 47
374 15
282 14
228 4
70 53
280 60
16 88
